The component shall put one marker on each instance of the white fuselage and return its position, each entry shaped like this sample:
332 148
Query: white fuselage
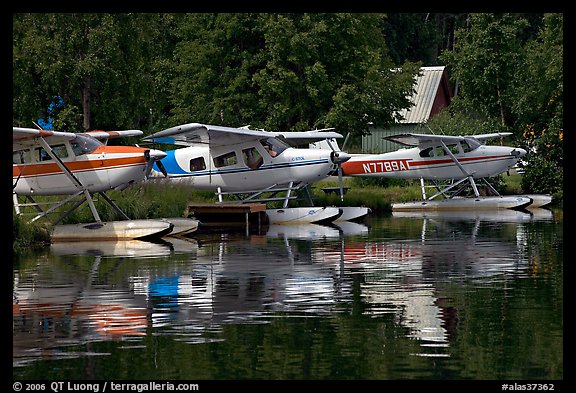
105 168
434 163
244 167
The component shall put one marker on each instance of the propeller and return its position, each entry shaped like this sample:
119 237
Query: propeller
338 157
154 156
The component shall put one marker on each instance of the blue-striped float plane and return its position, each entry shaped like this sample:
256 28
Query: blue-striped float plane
252 165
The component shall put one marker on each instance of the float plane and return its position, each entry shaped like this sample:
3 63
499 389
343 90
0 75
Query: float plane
79 165
459 160
251 165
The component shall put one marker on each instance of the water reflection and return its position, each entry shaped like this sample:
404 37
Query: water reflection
399 268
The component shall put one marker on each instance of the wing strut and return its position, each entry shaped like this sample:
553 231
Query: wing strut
468 175
71 176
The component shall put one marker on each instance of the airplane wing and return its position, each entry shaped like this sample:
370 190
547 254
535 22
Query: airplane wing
483 137
421 139
305 138
25 137
196 133
426 139
102 135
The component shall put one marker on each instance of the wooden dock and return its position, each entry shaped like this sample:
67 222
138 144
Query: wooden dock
227 215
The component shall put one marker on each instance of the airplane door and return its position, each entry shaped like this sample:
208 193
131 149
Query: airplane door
52 179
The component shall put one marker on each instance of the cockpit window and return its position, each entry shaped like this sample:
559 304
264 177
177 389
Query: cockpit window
84 144
273 146
466 147
426 152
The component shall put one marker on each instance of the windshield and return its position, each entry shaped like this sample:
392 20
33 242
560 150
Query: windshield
84 144
274 146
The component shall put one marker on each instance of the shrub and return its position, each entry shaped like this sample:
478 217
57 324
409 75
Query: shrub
542 176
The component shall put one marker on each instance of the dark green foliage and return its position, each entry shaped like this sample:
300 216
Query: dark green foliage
542 176
510 67
25 235
377 182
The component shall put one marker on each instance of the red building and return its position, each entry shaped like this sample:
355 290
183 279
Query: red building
433 93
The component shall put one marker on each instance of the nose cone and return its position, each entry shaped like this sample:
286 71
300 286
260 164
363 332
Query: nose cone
338 157
155 155
518 152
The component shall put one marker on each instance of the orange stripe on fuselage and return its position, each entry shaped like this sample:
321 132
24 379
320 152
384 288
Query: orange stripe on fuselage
51 167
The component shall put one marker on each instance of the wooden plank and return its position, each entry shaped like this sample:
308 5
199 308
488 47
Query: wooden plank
225 208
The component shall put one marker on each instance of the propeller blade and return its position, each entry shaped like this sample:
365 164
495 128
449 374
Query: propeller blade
162 168
148 169
340 182
152 156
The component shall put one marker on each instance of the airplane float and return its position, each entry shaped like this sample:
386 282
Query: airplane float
54 163
461 160
251 166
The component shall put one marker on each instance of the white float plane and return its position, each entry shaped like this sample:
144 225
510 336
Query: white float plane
54 163
253 165
459 159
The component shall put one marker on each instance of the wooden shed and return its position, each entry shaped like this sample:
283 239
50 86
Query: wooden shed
432 94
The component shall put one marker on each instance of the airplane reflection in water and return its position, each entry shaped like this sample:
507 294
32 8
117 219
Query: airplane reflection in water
190 287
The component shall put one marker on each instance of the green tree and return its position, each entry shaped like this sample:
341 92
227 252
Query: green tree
102 65
214 60
287 71
484 62
509 66
418 37
539 88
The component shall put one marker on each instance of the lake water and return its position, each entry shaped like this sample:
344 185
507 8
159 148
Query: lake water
460 296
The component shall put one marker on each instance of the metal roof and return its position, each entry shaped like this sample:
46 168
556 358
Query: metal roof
426 87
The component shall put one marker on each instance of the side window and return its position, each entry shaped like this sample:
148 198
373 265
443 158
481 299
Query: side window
438 151
225 160
426 152
84 144
453 148
252 158
21 157
42 155
59 150
197 164
273 146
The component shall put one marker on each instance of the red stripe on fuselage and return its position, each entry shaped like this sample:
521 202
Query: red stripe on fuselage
398 165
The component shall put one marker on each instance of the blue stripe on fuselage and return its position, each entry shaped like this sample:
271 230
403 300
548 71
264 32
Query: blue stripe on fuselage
173 169
170 164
